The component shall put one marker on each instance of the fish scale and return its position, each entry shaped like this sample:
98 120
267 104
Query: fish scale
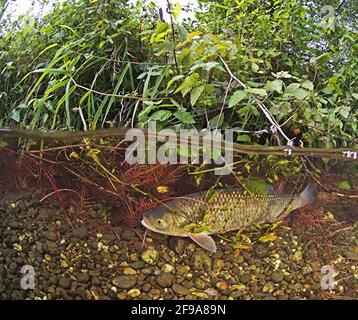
230 209
200 214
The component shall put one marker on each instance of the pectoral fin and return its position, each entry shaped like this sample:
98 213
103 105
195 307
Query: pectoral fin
205 241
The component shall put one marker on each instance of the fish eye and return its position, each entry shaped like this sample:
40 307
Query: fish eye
159 222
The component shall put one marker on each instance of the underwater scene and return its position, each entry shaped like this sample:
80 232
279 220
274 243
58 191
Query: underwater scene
79 222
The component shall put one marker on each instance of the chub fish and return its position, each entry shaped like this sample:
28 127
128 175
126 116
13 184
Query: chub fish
200 214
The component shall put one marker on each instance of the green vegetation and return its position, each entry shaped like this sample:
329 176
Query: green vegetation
95 64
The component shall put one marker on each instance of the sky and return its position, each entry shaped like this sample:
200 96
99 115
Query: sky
19 7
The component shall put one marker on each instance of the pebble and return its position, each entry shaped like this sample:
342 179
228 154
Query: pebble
154 294
238 287
128 235
351 255
200 283
165 279
189 284
134 293
222 285
277 277
236 294
64 282
83 278
201 260
218 265
50 235
13 224
125 281
129 271
180 290
122 295
176 244
182 270
261 251
268 287
133 256
150 256
109 237
306 270
297 257
146 287
80 232
167 268
12 267
245 278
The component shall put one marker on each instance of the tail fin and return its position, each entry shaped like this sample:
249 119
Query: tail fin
304 198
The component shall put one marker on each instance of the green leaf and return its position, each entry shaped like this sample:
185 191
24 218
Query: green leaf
344 111
160 32
182 32
188 83
275 85
254 67
176 103
323 58
217 121
69 91
260 92
176 10
185 57
236 97
282 74
172 80
243 138
184 151
268 237
161 27
294 90
215 153
15 113
333 79
184 116
50 71
292 87
161 115
257 185
3 144
115 91
101 44
196 93
207 66
300 93
244 110
344 185
307 85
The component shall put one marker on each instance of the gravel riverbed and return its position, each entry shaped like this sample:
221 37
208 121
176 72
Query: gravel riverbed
79 263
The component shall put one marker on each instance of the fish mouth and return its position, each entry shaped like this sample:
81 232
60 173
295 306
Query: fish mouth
146 225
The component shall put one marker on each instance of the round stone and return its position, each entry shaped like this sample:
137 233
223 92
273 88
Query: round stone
165 279
125 281
150 256
276 276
